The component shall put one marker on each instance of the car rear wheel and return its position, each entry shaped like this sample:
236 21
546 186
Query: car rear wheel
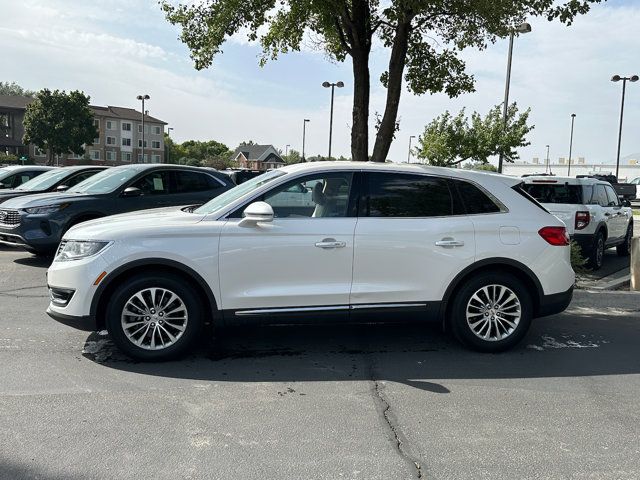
151 317
491 312
596 256
624 249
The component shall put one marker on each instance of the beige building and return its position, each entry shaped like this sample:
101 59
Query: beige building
119 140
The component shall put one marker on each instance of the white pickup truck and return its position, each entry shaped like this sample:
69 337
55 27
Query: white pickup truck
595 217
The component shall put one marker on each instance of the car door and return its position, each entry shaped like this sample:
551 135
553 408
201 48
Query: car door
602 199
410 241
619 218
298 263
155 192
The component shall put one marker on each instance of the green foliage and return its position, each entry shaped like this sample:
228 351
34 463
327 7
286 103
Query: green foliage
578 262
59 122
293 156
197 153
9 159
425 40
450 140
14 89
480 166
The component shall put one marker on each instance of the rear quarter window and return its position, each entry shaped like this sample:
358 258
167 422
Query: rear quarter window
475 200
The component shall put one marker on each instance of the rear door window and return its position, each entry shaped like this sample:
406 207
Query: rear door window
612 196
405 195
600 196
187 182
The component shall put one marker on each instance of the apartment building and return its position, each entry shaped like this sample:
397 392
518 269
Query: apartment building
119 139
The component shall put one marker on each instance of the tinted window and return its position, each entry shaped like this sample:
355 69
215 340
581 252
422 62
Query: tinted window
81 177
475 200
187 182
316 196
106 181
44 181
612 196
155 183
402 195
554 192
600 196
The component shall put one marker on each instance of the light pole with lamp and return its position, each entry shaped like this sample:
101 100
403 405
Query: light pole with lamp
548 169
332 85
409 152
168 148
522 28
617 78
573 118
304 132
143 98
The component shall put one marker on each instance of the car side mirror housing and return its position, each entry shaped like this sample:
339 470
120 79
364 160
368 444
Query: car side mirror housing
132 192
62 188
257 212
626 203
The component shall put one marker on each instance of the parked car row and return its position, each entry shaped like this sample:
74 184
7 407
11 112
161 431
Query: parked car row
309 242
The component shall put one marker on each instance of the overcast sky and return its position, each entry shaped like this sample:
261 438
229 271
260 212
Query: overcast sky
116 49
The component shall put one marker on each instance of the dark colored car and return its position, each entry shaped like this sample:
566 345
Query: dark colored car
55 180
14 176
242 175
37 222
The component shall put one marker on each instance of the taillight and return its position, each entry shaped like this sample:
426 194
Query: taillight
582 220
555 236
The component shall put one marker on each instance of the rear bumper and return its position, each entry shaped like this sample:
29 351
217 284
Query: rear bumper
554 303
87 323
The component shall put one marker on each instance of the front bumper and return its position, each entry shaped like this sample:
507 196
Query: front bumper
86 322
33 232
554 303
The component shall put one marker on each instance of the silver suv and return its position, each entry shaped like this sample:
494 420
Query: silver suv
595 217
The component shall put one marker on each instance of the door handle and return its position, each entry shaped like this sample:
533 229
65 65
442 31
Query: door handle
449 243
328 243
607 214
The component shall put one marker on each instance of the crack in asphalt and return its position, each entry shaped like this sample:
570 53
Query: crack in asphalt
402 443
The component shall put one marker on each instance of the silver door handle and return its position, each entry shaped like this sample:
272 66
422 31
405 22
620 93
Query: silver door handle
449 243
330 243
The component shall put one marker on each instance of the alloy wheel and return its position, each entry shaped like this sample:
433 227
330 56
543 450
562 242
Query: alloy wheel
154 318
493 312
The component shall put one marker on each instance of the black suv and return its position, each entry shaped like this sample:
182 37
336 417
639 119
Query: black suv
37 222
56 180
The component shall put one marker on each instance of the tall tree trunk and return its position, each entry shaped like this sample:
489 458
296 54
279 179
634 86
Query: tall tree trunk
387 128
361 89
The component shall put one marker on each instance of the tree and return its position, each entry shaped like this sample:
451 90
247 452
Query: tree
425 37
488 167
14 89
59 122
449 140
293 156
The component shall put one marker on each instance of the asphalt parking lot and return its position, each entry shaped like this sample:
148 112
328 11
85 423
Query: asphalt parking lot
323 402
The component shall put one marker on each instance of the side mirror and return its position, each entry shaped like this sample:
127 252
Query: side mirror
132 192
626 203
62 188
257 212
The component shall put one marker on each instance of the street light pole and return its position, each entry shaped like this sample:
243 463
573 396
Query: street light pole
548 169
332 85
286 150
617 78
573 117
143 98
522 28
304 132
409 152
169 148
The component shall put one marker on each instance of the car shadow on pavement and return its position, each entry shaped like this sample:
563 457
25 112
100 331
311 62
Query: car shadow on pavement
38 261
417 355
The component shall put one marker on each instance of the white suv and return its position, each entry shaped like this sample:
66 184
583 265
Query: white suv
596 218
470 249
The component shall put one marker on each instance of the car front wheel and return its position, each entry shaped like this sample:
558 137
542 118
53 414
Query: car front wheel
491 312
154 317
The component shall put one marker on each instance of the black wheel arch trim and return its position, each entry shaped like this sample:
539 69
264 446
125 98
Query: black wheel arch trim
153 262
491 262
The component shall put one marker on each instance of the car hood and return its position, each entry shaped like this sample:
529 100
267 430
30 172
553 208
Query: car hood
10 193
41 199
134 224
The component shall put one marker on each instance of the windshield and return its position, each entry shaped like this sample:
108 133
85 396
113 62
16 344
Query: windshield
105 181
235 193
44 181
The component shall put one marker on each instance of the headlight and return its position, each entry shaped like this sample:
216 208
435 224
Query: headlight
77 249
46 208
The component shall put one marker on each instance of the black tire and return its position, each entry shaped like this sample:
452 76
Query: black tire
463 298
596 255
140 283
624 249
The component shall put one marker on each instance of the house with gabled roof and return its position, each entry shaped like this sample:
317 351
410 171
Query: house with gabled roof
258 157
